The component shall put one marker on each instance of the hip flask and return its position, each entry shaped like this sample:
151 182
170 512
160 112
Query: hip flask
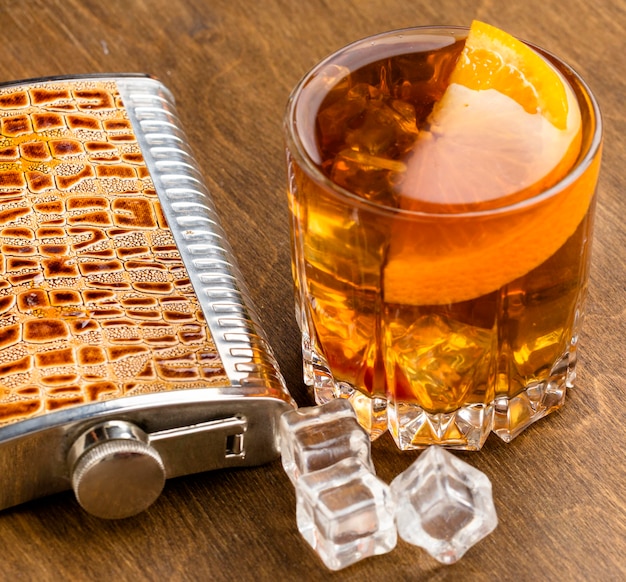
130 351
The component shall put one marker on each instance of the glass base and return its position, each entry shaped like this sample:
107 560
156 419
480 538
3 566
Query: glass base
466 428
370 412
513 414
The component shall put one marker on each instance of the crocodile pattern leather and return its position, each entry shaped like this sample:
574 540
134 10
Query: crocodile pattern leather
95 301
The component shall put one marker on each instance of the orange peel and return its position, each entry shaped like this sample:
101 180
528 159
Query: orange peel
507 128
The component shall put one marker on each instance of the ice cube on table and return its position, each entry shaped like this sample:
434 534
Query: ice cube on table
316 437
345 513
443 505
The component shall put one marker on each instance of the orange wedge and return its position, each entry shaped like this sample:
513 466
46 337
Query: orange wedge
493 59
507 128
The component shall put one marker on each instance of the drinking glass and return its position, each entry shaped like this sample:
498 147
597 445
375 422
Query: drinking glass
483 335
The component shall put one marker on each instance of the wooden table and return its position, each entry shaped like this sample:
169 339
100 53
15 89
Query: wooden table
559 487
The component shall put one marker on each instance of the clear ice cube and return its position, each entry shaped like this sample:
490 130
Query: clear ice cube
443 505
345 513
316 437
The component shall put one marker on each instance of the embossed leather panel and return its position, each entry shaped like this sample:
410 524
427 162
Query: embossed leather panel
95 301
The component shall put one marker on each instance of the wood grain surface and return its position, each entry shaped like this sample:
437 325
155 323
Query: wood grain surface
559 487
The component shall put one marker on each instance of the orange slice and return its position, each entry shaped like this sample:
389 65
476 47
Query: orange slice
493 59
507 128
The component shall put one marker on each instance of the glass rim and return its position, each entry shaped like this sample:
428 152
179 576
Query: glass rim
298 150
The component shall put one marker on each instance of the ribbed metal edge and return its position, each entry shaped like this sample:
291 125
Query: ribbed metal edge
201 240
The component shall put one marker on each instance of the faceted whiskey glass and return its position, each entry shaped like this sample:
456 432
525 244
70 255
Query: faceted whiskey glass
431 370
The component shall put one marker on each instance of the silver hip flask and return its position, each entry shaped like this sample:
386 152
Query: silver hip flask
129 349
